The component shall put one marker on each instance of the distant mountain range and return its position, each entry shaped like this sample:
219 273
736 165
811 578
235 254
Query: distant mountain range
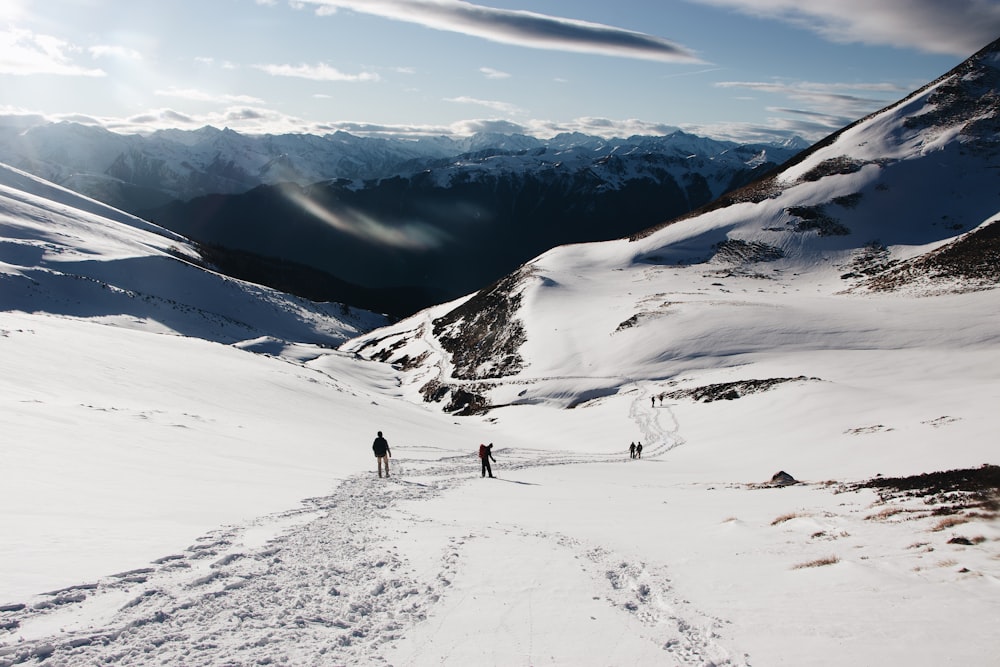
388 225
138 172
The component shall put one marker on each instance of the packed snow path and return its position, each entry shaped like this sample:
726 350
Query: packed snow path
351 579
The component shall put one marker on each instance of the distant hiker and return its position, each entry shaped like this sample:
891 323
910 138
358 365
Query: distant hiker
652 401
638 451
631 450
382 453
485 454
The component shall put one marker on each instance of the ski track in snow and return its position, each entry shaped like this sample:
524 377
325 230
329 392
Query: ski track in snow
648 417
320 584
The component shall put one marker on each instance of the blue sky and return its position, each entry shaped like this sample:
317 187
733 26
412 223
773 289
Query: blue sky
739 69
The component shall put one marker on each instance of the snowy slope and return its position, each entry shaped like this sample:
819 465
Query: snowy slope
134 408
175 500
63 254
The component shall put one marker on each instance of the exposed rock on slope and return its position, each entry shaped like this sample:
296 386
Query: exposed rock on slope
972 262
483 335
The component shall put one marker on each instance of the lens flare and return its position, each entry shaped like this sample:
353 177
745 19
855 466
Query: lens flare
406 235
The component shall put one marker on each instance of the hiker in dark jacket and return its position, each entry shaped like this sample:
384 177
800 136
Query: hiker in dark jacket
638 451
382 453
631 451
485 454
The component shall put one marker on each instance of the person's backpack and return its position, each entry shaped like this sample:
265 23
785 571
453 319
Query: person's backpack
482 451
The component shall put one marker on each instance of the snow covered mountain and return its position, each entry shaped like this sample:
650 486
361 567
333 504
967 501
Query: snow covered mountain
187 473
66 255
904 201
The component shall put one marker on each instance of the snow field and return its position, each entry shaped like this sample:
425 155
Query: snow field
137 423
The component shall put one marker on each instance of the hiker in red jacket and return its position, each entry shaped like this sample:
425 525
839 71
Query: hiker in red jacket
485 454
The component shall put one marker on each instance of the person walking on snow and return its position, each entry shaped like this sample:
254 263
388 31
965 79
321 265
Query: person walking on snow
382 453
631 451
638 451
485 454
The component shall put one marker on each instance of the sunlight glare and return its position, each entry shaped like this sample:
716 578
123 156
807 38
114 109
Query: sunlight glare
411 235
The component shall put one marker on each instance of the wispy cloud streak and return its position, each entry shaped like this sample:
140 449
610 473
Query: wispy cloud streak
320 72
503 107
521 28
837 101
491 73
111 51
201 96
956 27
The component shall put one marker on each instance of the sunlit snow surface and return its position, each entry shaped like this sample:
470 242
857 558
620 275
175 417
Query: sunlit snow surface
188 479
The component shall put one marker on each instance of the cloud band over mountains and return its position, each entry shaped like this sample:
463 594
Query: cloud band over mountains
521 28
957 27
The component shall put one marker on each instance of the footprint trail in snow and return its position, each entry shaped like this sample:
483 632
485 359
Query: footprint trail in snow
322 584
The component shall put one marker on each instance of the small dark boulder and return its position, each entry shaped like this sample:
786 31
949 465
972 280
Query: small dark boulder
782 478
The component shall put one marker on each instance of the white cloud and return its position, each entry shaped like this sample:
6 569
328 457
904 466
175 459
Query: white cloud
12 10
502 107
107 51
250 119
829 105
23 53
776 129
491 73
319 72
201 96
599 126
956 27
521 28
603 127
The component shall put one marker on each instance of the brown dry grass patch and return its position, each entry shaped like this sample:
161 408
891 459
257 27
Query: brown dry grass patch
785 517
819 562
885 513
949 522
